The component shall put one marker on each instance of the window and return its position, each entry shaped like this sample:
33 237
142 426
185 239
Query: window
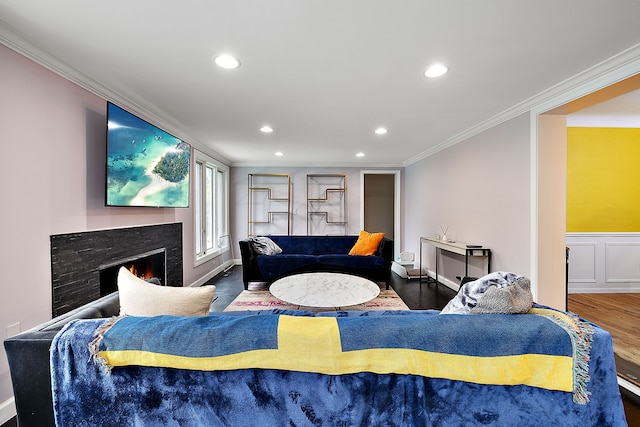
211 210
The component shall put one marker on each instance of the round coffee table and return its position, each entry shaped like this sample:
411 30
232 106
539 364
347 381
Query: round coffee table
324 289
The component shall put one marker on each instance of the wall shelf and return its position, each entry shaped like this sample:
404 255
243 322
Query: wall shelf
269 204
327 209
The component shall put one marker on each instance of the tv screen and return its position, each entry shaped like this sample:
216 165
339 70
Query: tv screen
146 166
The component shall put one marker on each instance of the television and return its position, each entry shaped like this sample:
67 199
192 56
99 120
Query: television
146 166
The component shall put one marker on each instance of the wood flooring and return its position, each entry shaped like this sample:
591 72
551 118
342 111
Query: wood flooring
618 314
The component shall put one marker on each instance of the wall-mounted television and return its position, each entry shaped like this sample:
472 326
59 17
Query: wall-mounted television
146 166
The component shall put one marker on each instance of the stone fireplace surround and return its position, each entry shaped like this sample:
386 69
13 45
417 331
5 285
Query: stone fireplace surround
76 259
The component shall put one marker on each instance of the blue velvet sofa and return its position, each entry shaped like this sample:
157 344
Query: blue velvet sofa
304 254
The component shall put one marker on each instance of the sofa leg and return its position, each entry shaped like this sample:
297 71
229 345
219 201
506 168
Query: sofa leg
246 286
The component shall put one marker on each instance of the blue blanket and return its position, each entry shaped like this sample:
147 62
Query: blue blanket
243 369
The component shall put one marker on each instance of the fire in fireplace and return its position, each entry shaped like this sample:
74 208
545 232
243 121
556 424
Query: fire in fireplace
150 266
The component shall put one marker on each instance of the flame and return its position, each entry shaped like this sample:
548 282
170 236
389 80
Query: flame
142 275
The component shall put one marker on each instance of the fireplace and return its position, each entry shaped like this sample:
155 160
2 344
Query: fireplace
149 266
77 260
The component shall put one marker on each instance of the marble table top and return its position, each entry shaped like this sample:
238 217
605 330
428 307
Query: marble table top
324 289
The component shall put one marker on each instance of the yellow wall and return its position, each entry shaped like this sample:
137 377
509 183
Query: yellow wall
603 180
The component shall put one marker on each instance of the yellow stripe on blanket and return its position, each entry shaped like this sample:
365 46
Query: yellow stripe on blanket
312 344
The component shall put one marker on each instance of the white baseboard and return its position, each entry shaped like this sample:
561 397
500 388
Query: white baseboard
448 283
609 290
629 386
219 269
7 410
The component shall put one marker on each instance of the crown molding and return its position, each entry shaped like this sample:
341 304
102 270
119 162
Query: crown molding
358 165
17 42
623 65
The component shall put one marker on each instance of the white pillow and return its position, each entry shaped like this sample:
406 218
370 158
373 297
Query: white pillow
140 298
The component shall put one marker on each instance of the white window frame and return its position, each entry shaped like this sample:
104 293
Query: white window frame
219 205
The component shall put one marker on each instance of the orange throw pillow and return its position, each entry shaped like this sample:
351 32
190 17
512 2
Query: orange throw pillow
367 243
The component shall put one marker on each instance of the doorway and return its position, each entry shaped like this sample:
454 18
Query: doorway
380 204
610 311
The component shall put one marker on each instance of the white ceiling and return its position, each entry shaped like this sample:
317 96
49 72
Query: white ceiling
323 73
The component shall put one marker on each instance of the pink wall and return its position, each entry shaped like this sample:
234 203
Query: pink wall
479 189
52 174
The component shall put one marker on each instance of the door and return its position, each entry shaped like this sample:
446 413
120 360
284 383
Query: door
380 204
379 199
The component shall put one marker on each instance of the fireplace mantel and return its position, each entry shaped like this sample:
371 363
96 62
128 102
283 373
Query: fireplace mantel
76 259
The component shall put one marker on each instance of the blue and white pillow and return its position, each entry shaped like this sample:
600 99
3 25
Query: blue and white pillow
499 292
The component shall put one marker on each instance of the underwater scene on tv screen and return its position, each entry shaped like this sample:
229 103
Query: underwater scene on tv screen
146 166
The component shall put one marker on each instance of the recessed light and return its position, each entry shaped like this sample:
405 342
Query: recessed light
361 154
226 61
266 129
436 70
279 153
380 131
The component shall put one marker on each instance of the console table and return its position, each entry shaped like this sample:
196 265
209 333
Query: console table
455 247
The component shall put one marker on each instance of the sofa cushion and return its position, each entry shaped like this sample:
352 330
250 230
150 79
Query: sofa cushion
367 243
357 261
140 298
315 245
278 265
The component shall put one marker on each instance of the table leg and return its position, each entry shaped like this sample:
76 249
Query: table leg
420 265
437 258
466 263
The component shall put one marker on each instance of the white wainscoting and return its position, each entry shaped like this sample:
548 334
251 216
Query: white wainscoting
604 262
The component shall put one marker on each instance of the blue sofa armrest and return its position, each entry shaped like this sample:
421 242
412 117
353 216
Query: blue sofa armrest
250 270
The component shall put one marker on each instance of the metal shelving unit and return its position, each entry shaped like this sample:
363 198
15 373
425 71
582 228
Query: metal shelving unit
269 204
327 209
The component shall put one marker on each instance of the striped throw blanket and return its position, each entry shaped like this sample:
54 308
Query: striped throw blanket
545 349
